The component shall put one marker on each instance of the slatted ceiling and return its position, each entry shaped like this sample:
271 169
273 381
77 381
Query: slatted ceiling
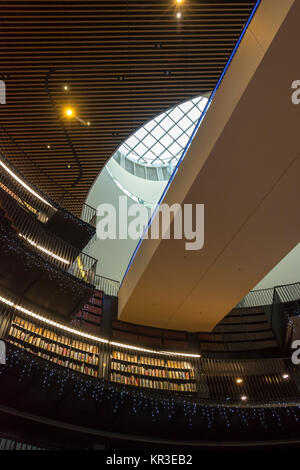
89 45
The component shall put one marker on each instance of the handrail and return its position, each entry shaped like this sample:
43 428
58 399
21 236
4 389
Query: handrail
264 297
107 285
36 198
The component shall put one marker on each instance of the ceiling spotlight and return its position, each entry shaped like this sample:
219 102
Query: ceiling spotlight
178 15
69 112
239 380
66 87
68 165
88 123
285 376
243 397
48 146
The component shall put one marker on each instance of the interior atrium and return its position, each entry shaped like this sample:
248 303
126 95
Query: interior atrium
149 228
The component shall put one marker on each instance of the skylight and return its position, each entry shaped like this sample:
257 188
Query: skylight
161 141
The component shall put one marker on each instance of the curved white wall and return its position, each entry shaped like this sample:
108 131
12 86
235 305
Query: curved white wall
114 255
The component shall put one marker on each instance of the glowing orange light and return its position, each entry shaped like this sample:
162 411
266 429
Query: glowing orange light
69 112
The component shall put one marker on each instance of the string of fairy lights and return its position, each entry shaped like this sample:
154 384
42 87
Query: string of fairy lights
153 407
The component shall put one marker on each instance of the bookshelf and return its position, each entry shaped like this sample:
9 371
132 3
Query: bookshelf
58 348
152 372
145 369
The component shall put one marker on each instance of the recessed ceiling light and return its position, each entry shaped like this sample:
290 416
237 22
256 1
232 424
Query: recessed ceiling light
285 376
121 78
48 146
69 112
158 45
167 72
66 87
179 1
178 15
243 397
88 123
68 165
239 380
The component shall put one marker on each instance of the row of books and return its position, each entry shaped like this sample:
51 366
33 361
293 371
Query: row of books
65 362
153 384
37 330
163 373
55 348
151 361
32 329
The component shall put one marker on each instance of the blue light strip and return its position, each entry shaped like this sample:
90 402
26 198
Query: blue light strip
192 136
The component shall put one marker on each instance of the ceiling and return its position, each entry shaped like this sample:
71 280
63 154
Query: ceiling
123 62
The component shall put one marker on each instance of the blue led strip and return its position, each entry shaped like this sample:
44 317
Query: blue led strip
192 136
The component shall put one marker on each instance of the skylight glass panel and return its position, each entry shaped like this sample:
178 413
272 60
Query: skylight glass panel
185 107
160 117
175 132
183 139
175 148
157 149
149 126
162 140
166 123
149 140
158 132
194 114
184 123
132 141
176 114
166 140
141 133
140 149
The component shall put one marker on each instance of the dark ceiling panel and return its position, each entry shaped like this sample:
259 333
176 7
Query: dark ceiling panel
124 62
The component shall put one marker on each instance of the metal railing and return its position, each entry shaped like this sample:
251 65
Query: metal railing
35 200
218 380
33 234
106 285
263 297
257 298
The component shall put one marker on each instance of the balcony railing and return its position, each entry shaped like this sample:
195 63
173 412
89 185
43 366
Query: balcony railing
34 200
263 297
35 236
106 285
242 381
